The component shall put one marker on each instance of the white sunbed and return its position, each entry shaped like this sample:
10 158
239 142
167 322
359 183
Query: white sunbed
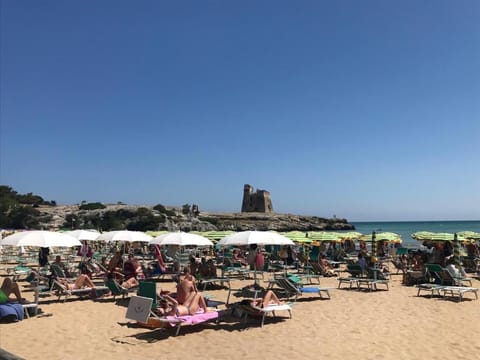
460 291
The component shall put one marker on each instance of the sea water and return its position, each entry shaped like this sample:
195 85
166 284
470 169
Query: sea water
406 228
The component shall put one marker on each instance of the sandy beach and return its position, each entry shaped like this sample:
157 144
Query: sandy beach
394 324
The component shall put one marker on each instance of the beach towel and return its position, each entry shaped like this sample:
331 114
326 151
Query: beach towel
198 318
11 310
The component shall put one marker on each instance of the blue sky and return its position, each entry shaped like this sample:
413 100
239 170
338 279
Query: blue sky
369 110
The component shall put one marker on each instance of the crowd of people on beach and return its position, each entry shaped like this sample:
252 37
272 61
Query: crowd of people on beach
128 267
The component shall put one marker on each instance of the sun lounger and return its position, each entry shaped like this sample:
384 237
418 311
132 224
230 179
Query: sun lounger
203 282
140 310
61 290
291 288
444 277
460 291
431 288
371 284
246 309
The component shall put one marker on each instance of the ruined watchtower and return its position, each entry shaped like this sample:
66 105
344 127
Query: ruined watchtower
256 201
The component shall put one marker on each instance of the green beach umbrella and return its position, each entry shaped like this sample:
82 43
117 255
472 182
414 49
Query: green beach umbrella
351 235
469 235
422 235
324 236
430 236
298 237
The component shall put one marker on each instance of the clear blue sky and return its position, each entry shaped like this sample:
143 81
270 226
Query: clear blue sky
369 110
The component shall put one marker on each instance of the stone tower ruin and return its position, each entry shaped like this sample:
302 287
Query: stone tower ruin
256 201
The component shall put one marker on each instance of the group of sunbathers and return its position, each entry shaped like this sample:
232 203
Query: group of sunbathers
189 300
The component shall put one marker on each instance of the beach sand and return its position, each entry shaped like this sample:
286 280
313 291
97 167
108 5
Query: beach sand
394 324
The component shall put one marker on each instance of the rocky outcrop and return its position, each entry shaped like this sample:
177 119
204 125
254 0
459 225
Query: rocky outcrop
204 221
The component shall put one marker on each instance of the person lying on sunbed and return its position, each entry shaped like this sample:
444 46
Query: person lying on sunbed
83 281
326 266
10 287
168 306
268 299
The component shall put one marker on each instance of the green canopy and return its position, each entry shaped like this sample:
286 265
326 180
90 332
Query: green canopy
383 236
324 236
351 235
470 235
429 236
298 236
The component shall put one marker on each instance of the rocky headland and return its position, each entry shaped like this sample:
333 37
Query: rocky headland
174 219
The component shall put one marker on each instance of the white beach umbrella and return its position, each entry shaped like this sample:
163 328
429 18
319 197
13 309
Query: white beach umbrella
124 236
40 238
245 238
181 239
84 234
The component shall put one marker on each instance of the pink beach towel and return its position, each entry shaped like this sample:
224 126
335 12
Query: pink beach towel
199 317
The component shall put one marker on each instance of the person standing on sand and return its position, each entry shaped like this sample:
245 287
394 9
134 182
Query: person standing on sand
43 256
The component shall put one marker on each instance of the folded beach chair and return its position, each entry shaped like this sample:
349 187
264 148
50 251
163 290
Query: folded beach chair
291 289
140 310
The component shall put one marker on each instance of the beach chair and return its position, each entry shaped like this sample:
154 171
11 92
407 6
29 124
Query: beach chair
58 272
459 291
443 277
292 289
61 290
18 271
203 282
246 309
148 289
356 272
431 288
32 307
374 278
140 310
116 289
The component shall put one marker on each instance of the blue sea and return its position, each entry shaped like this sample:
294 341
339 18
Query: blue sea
406 228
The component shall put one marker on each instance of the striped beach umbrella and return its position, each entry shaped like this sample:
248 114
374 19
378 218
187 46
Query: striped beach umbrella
324 236
469 235
351 235
430 236
383 236
457 260
298 237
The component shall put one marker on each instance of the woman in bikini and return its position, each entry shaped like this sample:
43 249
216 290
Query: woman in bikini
269 299
168 306
83 281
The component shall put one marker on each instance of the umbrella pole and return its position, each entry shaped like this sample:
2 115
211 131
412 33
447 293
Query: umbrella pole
374 254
